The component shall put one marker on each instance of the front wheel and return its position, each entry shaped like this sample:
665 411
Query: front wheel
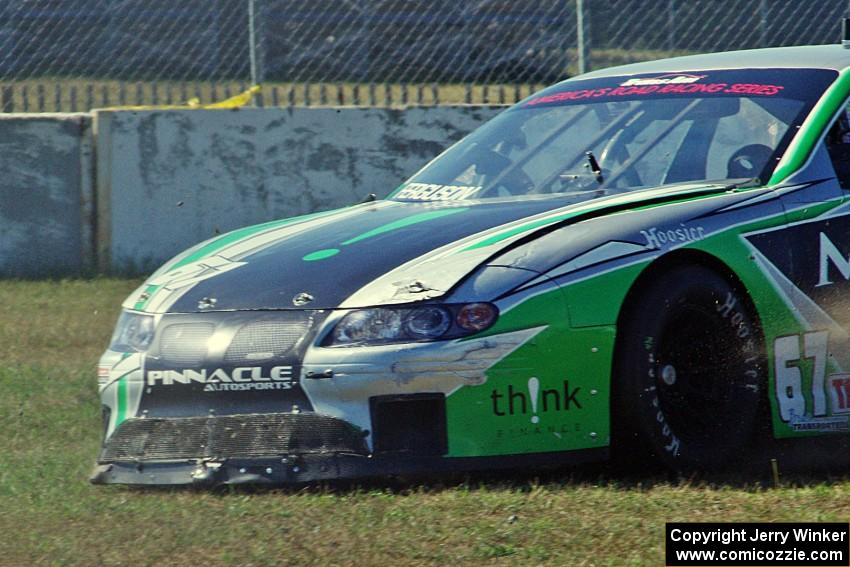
689 372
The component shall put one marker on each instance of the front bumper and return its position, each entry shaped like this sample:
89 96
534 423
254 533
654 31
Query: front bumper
297 469
245 436
279 448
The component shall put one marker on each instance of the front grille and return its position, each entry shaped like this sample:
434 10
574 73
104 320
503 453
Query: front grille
185 344
265 339
231 436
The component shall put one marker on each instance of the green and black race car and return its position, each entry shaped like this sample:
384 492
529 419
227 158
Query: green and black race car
651 258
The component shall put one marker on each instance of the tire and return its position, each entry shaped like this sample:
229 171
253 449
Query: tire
689 372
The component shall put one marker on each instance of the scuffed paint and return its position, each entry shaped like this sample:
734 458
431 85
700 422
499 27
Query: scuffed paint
362 372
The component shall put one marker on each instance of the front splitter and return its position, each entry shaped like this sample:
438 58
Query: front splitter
313 468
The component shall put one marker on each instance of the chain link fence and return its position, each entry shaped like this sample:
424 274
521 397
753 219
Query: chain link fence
70 55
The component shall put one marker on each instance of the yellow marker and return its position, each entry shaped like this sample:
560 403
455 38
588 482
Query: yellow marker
235 101
194 103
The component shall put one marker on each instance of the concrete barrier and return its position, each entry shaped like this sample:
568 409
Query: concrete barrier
46 207
158 181
168 179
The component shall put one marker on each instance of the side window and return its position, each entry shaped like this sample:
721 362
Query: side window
728 158
838 146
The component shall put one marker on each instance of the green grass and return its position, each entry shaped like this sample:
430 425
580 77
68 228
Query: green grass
51 334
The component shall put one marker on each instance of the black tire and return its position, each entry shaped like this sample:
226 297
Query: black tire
689 372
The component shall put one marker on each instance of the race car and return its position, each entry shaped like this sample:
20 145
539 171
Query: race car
650 260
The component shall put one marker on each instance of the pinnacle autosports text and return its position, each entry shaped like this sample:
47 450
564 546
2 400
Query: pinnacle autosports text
218 379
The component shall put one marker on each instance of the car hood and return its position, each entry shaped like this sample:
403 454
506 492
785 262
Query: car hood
371 254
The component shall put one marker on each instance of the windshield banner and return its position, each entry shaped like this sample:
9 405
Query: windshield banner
800 84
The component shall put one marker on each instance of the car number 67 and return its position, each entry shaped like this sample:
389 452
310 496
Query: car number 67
789 376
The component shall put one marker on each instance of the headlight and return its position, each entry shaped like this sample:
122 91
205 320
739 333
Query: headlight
133 333
382 325
427 322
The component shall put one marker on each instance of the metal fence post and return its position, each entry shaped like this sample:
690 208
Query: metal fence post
252 42
671 25
256 47
366 64
583 36
763 23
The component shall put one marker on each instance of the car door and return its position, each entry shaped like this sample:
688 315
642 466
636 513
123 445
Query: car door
808 261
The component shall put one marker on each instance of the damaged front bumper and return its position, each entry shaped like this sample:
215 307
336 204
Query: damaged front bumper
310 468
275 449
267 470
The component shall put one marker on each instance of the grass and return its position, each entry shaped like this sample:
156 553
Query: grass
51 334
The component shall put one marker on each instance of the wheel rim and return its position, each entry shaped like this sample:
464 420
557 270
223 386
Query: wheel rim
695 371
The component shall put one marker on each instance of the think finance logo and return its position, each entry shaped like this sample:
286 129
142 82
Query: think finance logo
533 400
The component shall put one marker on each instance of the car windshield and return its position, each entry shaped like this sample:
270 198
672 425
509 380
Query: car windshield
624 133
